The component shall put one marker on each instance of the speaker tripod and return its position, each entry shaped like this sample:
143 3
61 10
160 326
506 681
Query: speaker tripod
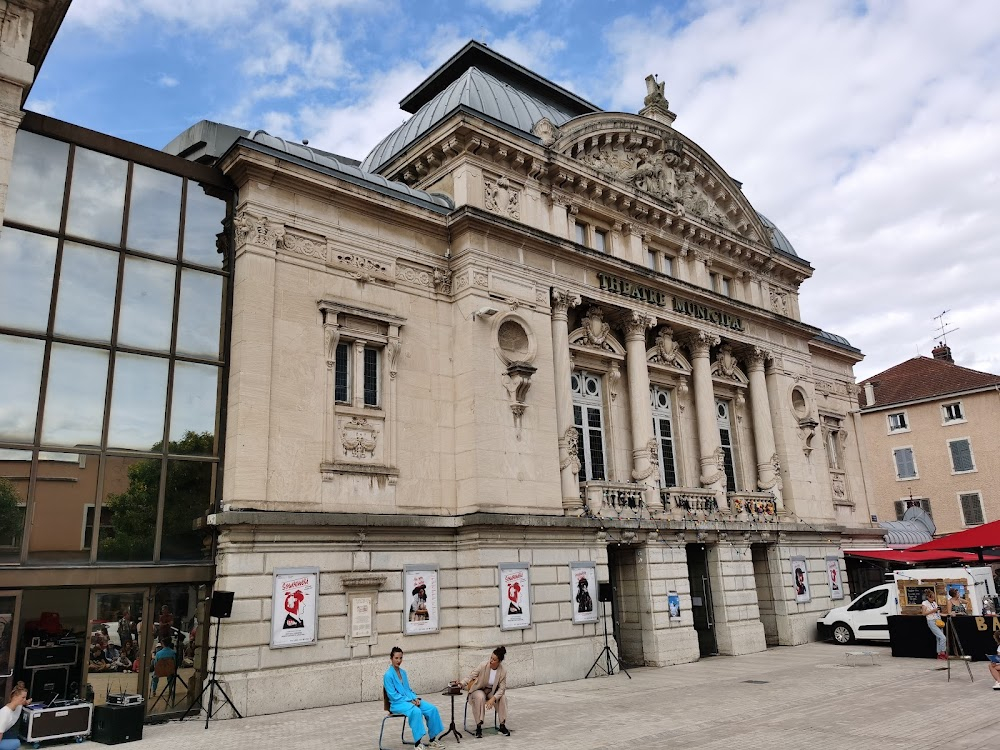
955 650
607 654
212 684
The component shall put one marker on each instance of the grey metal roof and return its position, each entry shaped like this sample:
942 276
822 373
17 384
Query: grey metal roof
778 239
348 169
478 91
832 338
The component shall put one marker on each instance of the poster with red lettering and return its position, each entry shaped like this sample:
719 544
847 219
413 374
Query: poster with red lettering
294 607
515 596
833 578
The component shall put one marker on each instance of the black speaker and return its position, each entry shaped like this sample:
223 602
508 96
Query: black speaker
46 683
222 604
49 656
604 592
116 724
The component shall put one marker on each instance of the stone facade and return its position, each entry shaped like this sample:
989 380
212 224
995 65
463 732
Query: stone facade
408 379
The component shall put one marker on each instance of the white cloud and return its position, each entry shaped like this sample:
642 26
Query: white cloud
868 133
510 7
167 81
42 106
534 50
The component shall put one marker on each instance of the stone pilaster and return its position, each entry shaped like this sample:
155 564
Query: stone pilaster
645 462
710 453
768 469
562 371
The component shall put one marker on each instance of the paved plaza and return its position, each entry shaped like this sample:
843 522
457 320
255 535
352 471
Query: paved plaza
800 697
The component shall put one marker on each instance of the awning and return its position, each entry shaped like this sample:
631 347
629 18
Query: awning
975 539
917 558
905 533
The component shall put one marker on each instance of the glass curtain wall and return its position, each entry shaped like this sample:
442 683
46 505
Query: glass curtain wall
113 290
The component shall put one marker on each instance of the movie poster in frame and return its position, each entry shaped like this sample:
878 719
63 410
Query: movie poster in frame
421 603
800 580
833 578
583 591
515 596
294 607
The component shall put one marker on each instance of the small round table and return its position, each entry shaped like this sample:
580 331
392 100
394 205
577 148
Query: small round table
453 690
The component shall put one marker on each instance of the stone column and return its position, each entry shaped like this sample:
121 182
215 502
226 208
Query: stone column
562 370
713 475
768 470
645 461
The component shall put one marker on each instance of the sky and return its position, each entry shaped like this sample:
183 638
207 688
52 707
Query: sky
869 132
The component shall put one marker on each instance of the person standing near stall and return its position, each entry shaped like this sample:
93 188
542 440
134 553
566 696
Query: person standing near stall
930 610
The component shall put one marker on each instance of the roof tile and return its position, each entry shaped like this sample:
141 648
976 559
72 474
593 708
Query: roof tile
923 377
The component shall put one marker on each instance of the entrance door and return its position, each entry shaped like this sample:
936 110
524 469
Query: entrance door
115 662
701 599
10 612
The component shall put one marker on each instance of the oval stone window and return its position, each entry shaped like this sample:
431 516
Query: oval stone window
513 340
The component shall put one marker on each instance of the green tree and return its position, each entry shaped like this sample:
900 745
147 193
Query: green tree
188 495
11 512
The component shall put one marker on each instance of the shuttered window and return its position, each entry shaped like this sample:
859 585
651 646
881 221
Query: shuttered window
972 508
906 468
961 456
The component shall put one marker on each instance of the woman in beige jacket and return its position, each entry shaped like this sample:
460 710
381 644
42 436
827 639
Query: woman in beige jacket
487 688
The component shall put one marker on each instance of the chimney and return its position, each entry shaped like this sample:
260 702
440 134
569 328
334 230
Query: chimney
942 352
869 394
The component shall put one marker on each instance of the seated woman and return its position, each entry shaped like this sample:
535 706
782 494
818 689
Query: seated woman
487 688
98 661
995 665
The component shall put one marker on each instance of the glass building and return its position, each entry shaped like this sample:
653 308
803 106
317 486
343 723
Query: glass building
114 282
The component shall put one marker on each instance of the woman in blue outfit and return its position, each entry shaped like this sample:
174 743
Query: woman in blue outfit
402 700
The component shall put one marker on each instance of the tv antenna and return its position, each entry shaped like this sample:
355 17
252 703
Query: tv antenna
943 329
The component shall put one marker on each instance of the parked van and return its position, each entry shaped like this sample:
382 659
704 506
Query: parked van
866 617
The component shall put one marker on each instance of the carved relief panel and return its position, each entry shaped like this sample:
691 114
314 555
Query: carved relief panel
502 197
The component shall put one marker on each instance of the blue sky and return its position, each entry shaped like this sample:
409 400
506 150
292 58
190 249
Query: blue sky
868 131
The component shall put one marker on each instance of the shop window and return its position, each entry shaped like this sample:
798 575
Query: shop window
972 508
898 423
906 467
962 461
588 417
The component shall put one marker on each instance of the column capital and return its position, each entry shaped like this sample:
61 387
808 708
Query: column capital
562 301
636 324
755 357
700 342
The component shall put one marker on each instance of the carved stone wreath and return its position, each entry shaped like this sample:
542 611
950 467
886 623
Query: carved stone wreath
359 438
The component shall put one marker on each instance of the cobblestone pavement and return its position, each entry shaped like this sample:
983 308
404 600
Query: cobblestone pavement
801 697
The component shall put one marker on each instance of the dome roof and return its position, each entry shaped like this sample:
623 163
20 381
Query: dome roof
778 239
480 92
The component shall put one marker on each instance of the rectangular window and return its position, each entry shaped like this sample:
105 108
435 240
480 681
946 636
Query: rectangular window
668 265
906 468
912 502
651 259
342 375
588 420
961 456
581 233
713 281
600 240
663 430
897 422
722 409
953 412
972 508
371 376
724 286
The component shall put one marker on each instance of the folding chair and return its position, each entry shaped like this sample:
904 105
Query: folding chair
390 715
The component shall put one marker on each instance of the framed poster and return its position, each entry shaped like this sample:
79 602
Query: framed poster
674 605
800 580
583 591
515 596
833 578
421 612
294 607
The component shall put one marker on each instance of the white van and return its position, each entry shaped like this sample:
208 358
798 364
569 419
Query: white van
866 617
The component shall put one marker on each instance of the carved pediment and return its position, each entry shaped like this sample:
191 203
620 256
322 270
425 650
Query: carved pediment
595 333
726 367
656 160
666 352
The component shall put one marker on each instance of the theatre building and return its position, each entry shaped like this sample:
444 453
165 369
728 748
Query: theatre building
433 399
526 346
